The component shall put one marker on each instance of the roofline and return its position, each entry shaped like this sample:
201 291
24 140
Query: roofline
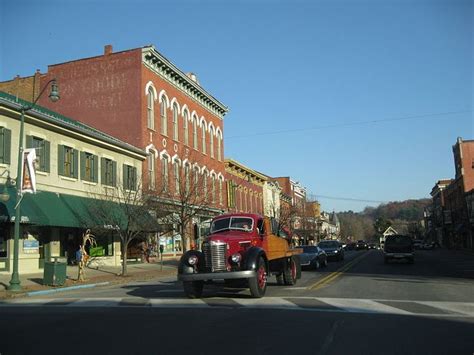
148 52
242 166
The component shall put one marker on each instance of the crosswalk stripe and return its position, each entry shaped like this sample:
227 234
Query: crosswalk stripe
362 306
349 305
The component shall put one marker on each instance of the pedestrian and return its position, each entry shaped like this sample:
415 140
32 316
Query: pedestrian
79 255
147 253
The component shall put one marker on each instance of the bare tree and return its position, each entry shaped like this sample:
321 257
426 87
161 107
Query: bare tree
183 195
126 211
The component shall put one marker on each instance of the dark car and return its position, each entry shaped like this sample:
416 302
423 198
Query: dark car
399 247
313 257
371 246
361 245
333 249
350 246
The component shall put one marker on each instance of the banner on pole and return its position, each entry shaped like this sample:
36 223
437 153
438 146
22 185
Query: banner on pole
28 181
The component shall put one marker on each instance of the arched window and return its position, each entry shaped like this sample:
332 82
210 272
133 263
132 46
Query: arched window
151 109
195 133
164 173
204 185
213 188
211 141
187 178
177 178
151 170
164 118
197 187
219 147
203 131
185 126
175 122
221 199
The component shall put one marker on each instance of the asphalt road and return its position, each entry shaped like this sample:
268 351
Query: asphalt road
358 306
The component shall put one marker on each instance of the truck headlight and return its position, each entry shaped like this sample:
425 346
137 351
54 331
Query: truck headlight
236 258
192 260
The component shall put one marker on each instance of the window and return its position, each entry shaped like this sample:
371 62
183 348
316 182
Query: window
204 185
219 147
231 193
164 118
186 128
151 170
211 141
42 148
196 181
177 179
195 133
203 138
251 201
187 177
108 172
151 109
129 177
220 193
5 145
89 167
67 161
164 173
213 189
175 122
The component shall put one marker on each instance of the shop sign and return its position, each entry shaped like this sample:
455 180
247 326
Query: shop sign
30 246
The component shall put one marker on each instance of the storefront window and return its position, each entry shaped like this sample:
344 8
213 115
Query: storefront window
3 246
104 246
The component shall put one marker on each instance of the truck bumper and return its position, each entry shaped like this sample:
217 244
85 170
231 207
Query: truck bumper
217 275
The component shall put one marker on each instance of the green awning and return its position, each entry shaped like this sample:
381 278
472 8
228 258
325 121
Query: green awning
60 210
31 213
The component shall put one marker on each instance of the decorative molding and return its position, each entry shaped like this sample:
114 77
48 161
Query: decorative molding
161 66
147 87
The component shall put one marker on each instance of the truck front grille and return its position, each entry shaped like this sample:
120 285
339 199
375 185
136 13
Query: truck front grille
214 255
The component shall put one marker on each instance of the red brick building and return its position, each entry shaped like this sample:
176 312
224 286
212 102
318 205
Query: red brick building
142 98
244 188
459 231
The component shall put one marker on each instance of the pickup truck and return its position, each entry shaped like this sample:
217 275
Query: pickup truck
242 248
398 247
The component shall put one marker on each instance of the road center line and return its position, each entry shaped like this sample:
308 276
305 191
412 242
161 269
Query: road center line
332 276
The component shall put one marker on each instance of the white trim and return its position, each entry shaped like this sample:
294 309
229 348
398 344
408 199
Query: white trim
201 120
194 114
218 132
186 109
176 159
174 101
186 162
196 165
211 125
213 173
147 87
204 170
151 147
220 177
160 96
163 153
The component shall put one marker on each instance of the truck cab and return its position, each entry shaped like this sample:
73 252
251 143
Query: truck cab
243 247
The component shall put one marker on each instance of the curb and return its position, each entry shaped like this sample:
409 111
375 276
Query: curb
63 289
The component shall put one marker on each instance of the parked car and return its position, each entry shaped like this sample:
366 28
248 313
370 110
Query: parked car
313 257
361 245
350 246
428 245
333 249
371 246
399 247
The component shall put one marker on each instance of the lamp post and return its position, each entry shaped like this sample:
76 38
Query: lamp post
15 284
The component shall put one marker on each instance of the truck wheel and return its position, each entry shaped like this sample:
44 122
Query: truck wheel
258 284
289 274
193 289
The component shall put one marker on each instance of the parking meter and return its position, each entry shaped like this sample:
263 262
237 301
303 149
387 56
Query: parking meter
161 248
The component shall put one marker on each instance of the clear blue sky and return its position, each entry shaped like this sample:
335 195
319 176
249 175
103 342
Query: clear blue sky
318 71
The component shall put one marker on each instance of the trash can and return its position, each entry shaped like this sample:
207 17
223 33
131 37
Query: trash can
54 273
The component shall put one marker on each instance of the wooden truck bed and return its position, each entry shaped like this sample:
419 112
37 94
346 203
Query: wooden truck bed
277 247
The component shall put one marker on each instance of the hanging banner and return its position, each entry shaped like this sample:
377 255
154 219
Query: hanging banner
28 181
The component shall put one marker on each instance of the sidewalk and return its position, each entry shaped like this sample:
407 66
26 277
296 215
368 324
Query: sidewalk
109 274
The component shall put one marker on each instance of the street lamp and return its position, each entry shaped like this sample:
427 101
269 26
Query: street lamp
15 284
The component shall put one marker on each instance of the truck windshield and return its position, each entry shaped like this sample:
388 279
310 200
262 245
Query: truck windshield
232 223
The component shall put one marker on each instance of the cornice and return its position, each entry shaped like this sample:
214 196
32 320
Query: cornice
169 72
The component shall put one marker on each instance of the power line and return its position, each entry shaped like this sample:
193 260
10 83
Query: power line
405 118
347 199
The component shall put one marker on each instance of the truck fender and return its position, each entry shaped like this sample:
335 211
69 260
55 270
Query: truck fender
251 258
185 268
298 266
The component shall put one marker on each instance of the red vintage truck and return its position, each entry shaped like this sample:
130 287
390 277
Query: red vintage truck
242 248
